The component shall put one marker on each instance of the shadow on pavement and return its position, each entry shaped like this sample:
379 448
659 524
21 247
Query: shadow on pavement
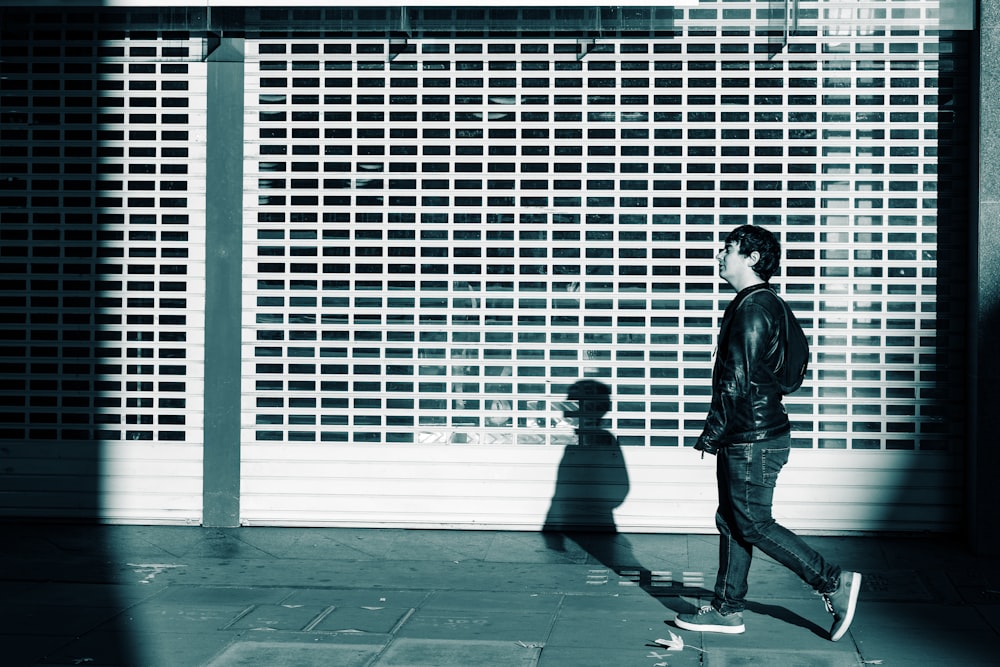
592 481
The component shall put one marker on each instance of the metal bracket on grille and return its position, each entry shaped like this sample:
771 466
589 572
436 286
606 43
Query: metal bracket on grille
218 48
791 20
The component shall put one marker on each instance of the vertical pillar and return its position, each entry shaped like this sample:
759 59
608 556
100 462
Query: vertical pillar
223 283
984 353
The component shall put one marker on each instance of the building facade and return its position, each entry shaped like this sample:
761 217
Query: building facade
345 266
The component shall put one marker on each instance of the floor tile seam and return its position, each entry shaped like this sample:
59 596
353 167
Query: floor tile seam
183 587
306 630
386 645
306 636
412 610
62 647
240 616
297 550
553 618
104 622
240 538
158 545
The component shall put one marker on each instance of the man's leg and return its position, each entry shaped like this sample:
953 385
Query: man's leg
725 614
752 499
735 554
752 520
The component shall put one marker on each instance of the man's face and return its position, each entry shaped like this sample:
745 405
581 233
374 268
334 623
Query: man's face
731 262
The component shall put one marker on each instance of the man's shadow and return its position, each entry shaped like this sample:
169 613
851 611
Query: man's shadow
591 482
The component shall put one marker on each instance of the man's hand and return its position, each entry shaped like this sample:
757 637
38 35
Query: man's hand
707 447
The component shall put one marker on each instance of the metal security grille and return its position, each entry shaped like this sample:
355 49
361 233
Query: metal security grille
101 270
448 234
453 216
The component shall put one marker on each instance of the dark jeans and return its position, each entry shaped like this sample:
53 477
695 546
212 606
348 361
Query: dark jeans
747 473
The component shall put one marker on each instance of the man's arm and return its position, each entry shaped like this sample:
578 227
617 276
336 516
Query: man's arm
731 377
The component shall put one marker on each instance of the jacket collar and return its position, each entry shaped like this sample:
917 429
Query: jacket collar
752 288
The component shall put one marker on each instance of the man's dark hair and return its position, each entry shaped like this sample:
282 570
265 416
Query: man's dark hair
752 238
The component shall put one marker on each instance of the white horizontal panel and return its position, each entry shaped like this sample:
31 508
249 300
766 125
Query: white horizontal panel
668 491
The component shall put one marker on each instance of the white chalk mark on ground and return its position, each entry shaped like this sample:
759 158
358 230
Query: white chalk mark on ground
150 570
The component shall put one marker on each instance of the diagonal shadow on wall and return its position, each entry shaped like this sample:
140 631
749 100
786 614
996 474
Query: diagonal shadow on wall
62 390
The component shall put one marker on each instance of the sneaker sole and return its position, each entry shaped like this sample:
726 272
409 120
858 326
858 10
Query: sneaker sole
724 629
852 603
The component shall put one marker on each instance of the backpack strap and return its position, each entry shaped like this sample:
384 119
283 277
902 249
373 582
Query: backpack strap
787 314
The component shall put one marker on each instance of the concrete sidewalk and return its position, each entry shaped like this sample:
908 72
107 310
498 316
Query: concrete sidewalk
337 597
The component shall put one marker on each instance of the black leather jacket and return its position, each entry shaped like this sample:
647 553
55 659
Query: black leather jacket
746 399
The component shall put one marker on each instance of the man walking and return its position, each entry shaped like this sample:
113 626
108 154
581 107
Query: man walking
748 429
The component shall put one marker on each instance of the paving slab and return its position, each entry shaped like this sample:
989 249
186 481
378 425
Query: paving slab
180 618
189 596
533 548
414 652
285 654
241 596
444 546
361 597
590 622
378 619
95 648
27 618
924 634
115 596
514 602
755 657
895 585
22 649
477 624
637 656
290 617
310 544
991 613
785 620
112 648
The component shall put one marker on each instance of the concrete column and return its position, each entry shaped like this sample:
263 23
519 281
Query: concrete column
223 283
984 344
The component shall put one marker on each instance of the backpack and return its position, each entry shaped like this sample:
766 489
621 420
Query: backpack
792 370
